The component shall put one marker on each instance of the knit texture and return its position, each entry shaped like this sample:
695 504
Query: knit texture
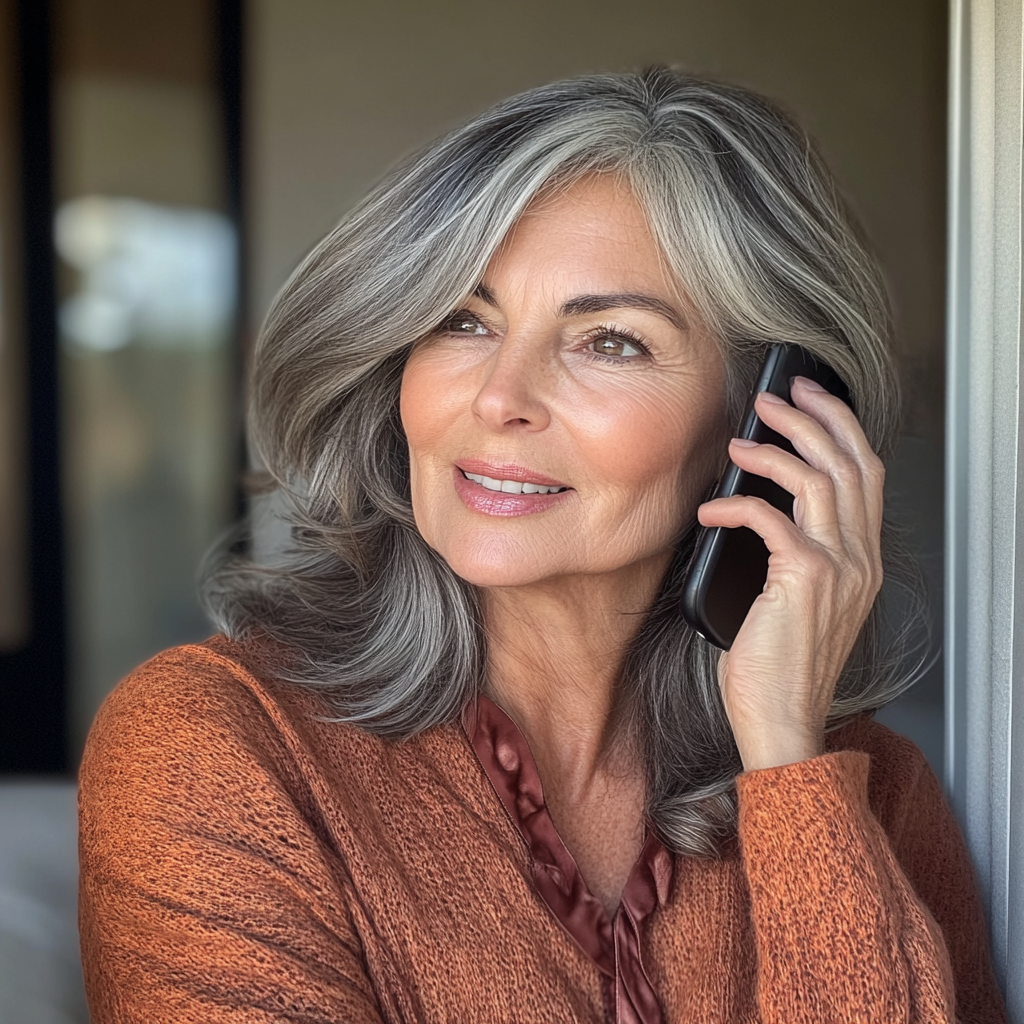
243 859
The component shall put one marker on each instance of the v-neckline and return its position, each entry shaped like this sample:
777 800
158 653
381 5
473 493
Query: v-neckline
612 942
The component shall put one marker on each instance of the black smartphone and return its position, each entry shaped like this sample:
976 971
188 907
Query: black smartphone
729 567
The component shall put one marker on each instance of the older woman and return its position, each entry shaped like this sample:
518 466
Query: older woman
458 758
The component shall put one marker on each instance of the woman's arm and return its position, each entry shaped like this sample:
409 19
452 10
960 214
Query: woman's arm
842 934
206 893
856 922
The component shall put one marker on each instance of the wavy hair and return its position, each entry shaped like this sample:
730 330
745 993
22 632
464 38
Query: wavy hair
751 224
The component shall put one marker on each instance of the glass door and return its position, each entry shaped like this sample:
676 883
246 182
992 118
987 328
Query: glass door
146 312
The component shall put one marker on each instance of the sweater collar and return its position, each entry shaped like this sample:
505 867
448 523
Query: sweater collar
612 943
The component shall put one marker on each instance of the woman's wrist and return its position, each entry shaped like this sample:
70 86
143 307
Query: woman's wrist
775 747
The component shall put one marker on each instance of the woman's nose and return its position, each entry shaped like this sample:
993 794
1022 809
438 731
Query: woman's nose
515 388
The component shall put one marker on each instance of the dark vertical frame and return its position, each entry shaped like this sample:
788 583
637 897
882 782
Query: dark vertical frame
34 733
230 52
33 715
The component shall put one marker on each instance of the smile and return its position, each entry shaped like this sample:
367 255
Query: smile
511 486
499 496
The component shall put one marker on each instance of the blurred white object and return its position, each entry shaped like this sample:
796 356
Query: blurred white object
40 970
161 275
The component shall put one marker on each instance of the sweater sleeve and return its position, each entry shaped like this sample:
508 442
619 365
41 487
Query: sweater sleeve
842 935
206 893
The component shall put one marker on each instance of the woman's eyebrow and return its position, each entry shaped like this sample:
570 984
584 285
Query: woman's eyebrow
583 304
481 291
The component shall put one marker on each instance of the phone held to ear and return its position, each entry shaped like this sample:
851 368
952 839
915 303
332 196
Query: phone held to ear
729 566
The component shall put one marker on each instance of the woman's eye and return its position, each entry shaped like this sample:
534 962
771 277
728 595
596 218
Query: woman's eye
463 323
616 345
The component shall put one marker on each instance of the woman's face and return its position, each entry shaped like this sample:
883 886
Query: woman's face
568 418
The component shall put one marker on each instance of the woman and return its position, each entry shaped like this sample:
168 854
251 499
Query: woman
457 757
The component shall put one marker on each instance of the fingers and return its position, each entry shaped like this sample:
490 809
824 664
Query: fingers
834 415
837 491
815 505
827 434
852 557
776 529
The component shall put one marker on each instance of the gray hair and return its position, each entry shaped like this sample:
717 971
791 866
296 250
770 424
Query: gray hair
751 224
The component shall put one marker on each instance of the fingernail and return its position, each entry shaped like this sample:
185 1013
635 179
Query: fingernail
767 396
811 385
742 442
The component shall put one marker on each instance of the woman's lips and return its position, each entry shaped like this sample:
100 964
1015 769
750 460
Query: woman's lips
478 498
507 471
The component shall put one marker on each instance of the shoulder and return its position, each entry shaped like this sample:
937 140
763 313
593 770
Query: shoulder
887 749
214 685
200 720
208 865
206 677
206 723
220 682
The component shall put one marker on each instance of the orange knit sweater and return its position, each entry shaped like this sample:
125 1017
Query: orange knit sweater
242 860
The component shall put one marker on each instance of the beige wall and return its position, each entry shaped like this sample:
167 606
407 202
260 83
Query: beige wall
340 90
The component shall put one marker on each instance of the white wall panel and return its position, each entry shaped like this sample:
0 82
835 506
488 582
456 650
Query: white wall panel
985 482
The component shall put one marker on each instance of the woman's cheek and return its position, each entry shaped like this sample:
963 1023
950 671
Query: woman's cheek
642 435
425 422
419 407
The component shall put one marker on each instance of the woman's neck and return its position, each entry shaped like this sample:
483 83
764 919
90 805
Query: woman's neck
554 660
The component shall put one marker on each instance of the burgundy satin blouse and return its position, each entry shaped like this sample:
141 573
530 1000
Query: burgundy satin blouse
613 944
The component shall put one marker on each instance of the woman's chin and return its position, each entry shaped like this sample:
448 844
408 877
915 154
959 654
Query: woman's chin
500 566
498 575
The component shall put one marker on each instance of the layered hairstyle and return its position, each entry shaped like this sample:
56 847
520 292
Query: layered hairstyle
357 605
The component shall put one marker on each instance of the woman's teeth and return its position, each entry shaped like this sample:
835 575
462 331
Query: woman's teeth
511 486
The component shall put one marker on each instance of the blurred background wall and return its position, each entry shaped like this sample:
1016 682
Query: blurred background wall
153 198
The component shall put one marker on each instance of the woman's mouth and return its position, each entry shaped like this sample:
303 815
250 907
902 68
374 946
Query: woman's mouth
511 486
500 496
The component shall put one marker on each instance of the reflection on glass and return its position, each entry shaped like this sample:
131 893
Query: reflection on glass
146 281
145 326
160 276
